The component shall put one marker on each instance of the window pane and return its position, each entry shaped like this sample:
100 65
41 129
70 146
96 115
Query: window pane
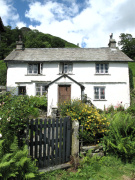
30 69
70 67
65 68
96 93
102 93
37 93
40 89
35 68
97 68
102 68
106 68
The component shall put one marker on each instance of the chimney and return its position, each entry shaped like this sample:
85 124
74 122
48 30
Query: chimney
112 42
19 44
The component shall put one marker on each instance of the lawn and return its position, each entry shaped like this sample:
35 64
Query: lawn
96 168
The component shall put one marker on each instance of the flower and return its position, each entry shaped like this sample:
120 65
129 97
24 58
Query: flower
8 119
0 118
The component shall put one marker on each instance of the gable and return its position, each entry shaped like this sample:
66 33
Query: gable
66 76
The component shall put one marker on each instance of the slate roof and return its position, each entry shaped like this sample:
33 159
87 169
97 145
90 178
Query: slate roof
68 54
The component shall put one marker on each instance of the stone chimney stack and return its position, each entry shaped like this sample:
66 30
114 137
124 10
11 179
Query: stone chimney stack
112 42
19 44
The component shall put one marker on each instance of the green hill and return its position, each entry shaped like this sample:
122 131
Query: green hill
31 39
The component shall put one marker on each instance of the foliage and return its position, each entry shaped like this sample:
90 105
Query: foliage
8 40
14 113
131 79
15 163
131 109
128 45
38 101
114 109
3 73
94 124
132 67
95 168
120 139
57 42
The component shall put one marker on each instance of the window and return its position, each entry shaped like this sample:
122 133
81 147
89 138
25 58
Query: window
99 93
102 68
66 68
40 89
22 90
35 68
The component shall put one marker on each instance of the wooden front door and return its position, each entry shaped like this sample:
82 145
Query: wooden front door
64 93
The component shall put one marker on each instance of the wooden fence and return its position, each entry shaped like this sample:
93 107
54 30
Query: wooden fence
50 141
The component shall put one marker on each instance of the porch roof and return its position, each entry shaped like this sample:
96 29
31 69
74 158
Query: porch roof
65 75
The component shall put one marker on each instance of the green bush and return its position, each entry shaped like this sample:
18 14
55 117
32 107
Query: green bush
114 109
38 101
131 79
120 139
15 164
14 113
94 124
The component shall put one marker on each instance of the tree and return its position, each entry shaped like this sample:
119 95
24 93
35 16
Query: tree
127 44
57 42
3 73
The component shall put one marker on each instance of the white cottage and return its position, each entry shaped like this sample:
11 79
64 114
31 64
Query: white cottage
68 73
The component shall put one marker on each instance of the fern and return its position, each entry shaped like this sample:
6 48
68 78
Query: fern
120 140
16 163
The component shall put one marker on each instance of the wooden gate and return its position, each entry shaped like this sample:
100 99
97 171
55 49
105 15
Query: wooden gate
50 141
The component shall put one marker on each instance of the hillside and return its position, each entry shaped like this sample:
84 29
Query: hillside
31 39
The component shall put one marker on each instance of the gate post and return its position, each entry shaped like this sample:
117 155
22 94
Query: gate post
75 142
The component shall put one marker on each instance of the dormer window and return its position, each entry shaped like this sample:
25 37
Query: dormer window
35 68
102 68
66 68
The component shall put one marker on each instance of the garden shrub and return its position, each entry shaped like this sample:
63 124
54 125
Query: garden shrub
94 124
114 109
120 139
39 101
14 113
15 164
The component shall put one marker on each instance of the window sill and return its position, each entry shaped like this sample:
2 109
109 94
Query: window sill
99 100
34 75
102 74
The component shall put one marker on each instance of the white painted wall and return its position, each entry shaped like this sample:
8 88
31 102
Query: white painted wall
116 82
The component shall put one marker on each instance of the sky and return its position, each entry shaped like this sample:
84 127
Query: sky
87 22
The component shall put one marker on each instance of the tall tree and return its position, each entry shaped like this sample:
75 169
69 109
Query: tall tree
127 44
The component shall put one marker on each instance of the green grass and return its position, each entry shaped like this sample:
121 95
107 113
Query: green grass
95 168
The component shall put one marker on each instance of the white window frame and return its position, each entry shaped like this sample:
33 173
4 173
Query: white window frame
102 68
40 89
37 70
66 68
99 92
